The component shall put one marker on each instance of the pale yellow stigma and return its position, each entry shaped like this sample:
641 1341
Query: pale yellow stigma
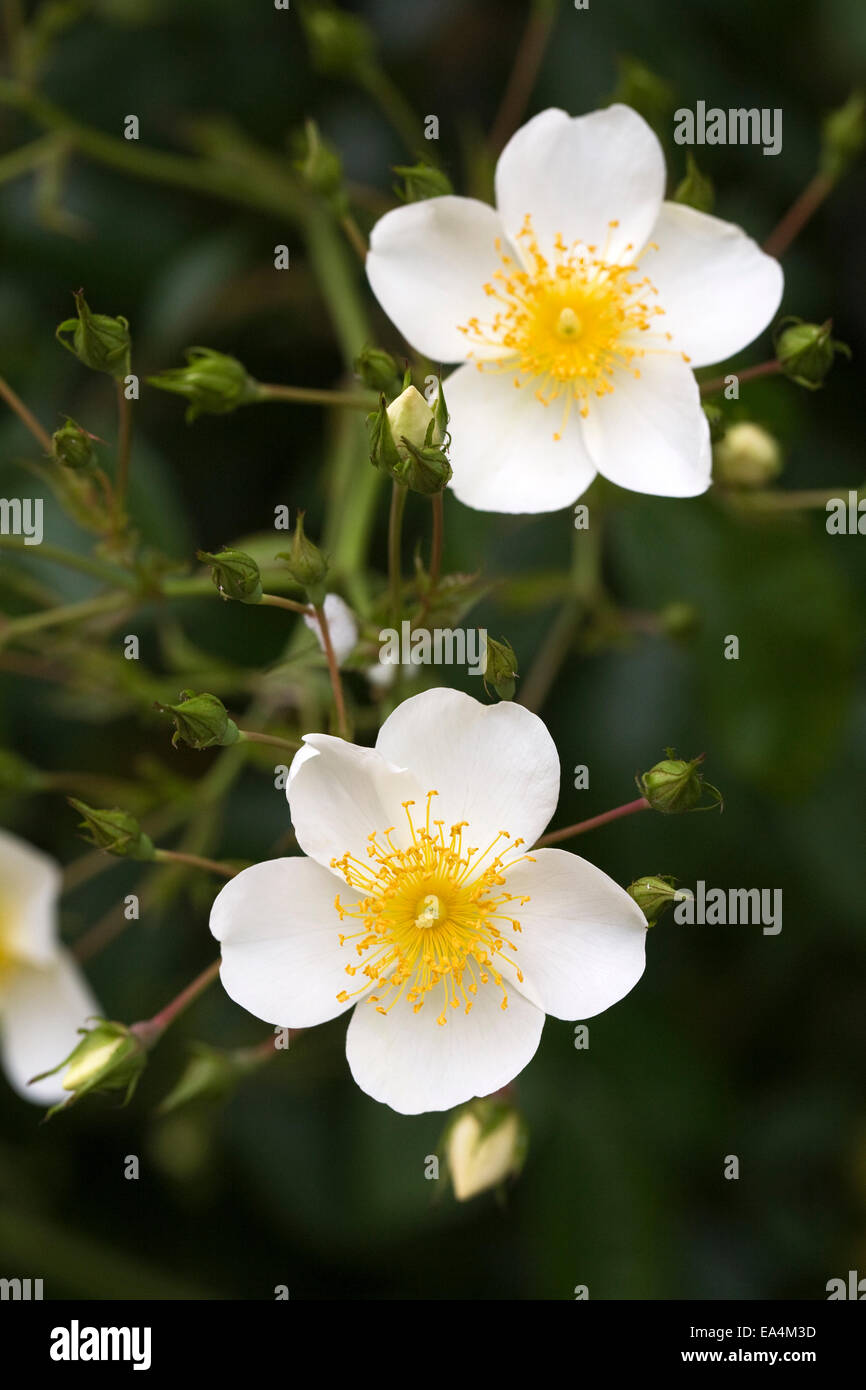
434 916
565 326
568 325
431 913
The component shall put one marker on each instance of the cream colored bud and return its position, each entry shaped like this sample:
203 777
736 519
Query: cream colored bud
478 1160
410 417
747 456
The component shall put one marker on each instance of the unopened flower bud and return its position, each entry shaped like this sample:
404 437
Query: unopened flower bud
806 351
212 382
747 456
211 1074
485 1144
18 777
500 668
405 439
653 895
115 831
201 721
100 342
843 136
320 165
341 45
696 189
306 563
674 786
421 181
379 370
72 446
235 574
109 1058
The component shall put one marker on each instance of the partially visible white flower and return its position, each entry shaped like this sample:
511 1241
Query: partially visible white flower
419 902
383 674
44 998
580 306
341 625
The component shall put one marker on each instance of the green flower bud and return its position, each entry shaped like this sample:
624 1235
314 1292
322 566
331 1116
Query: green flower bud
426 470
404 441
647 93
679 620
115 831
320 165
100 342
109 1058
235 574
653 895
18 777
696 189
211 1074
306 563
806 351
379 370
421 181
485 1144
212 382
340 44
747 456
201 721
715 419
843 136
72 447
500 668
674 786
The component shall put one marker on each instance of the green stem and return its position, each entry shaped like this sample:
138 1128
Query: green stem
395 108
14 401
68 613
84 563
124 449
272 740
195 861
395 559
584 594
309 395
277 601
150 1030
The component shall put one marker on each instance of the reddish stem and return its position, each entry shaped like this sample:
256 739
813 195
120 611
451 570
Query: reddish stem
554 836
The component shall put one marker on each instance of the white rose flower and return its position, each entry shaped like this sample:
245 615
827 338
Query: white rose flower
44 998
341 625
419 903
579 306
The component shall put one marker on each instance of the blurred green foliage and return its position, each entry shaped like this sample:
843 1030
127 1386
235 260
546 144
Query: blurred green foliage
733 1042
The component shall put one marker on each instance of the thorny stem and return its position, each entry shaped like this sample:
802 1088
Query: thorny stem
628 809
798 214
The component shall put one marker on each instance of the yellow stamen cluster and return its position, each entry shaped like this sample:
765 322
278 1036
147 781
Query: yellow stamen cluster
568 324
433 916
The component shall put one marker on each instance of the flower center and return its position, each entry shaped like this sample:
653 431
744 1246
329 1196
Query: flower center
569 324
433 917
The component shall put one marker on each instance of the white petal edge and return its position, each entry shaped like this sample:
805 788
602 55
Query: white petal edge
650 434
718 289
29 891
583 941
340 794
577 174
406 1060
503 451
495 766
279 935
43 1008
428 264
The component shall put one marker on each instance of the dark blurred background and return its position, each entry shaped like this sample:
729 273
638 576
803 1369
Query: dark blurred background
734 1042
